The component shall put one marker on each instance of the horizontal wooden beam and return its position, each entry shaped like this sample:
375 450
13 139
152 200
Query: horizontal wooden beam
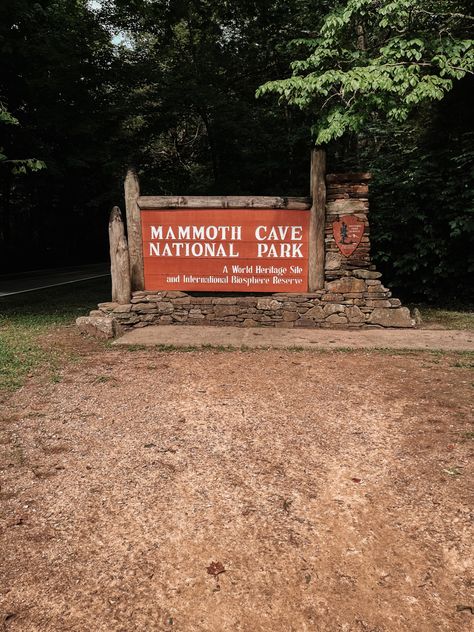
151 202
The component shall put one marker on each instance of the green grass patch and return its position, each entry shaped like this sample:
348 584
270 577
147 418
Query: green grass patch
464 364
26 317
447 318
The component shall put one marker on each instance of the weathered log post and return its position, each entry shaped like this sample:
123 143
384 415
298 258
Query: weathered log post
317 220
119 258
134 230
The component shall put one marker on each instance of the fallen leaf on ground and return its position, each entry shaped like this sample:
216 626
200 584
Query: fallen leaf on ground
461 608
453 471
215 568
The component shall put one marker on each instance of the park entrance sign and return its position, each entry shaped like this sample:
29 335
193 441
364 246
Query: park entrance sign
247 261
226 250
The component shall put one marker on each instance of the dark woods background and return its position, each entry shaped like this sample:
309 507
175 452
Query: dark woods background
170 87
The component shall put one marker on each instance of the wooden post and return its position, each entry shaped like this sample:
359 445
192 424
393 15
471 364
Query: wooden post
134 230
119 261
317 220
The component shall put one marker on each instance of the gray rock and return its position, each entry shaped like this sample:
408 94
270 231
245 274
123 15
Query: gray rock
393 317
333 308
247 301
333 261
289 315
226 310
366 274
336 319
175 294
373 283
380 302
123 309
164 307
268 303
316 313
377 295
142 297
107 307
249 322
166 320
141 307
355 315
330 297
346 285
99 327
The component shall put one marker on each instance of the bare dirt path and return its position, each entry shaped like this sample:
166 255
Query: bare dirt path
333 489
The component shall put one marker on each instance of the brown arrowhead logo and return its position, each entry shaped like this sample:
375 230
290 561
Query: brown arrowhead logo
348 231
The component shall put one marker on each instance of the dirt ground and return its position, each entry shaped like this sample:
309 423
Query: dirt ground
238 491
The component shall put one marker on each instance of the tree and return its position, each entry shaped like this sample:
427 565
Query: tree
389 86
191 69
56 87
380 58
21 165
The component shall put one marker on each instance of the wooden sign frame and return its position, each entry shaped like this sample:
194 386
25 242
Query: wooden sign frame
316 204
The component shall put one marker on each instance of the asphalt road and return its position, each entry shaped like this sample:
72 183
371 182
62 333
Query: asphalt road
41 279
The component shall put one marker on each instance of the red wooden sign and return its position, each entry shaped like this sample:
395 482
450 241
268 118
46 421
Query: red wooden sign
348 232
245 250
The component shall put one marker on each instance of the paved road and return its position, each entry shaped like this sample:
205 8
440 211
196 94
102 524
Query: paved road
42 279
196 336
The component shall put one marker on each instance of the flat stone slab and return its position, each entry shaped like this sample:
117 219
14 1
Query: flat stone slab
197 336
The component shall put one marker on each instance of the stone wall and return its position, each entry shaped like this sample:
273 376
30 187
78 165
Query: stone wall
353 296
347 194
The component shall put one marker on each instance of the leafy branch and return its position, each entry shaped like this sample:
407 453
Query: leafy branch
409 57
19 165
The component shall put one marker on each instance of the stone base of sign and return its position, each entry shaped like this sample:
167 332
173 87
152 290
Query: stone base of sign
350 302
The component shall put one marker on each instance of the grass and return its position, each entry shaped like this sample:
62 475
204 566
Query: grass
24 318
469 364
446 318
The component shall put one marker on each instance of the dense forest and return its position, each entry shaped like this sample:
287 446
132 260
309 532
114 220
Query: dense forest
227 97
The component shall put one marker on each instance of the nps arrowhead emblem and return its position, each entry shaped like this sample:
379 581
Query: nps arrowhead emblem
348 231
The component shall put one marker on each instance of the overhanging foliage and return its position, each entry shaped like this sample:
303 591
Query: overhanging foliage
377 57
